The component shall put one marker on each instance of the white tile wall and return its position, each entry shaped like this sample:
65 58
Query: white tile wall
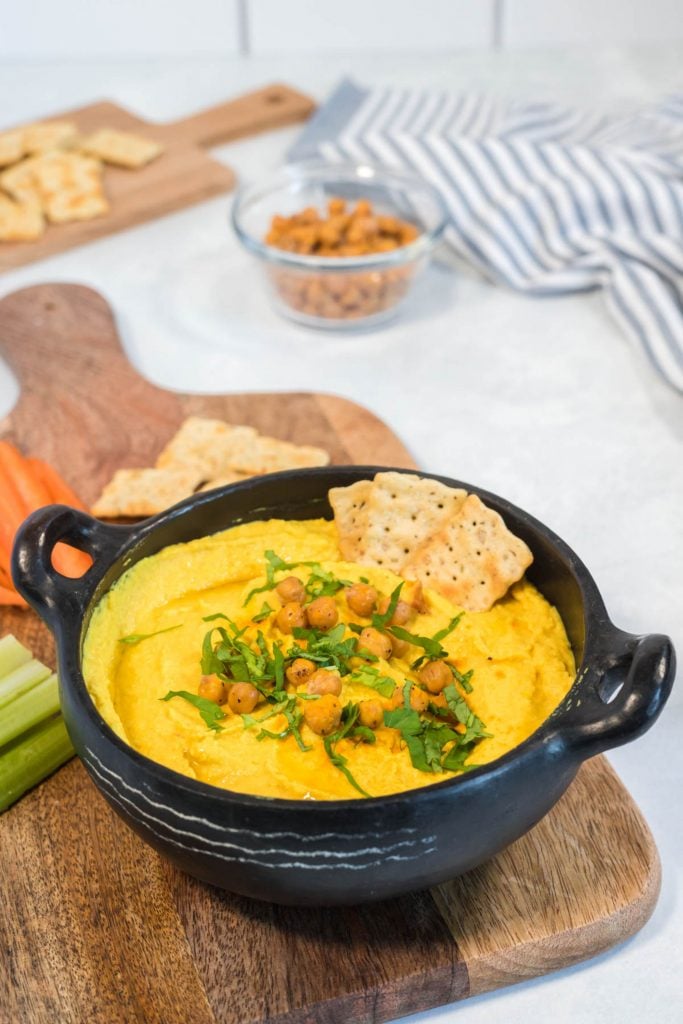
83 28
409 25
529 23
111 28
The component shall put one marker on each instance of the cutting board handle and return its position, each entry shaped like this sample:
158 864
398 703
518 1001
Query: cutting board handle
272 107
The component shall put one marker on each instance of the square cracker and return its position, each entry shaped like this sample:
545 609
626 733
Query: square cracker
121 148
350 507
20 180
403 511
203 443
143 492
40 137
270 455
219 449
67 186
473 559
69 206
20 222
11 147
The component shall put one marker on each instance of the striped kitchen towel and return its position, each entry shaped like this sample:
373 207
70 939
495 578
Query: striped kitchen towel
542 198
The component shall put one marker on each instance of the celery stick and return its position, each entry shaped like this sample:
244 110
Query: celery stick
32 758
20 680
27 710
12 654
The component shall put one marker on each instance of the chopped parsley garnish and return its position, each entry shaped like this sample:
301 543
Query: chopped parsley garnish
210 712
431 645
275 564
329 650
293 716
427 738
349 729
232 658
136 638
381 621
369 676
323 584
266 610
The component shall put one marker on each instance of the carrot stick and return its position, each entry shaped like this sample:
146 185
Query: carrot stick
32 492
11 597
57 487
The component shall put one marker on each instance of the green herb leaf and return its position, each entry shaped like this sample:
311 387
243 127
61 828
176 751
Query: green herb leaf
275 564
210 713
381 621
330 650
216 615
348 727
324 584
368 676
458 706
463 678
266 610
136 638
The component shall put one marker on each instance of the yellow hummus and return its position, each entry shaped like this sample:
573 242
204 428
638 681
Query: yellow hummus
518 650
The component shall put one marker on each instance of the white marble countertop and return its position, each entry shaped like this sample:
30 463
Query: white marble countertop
542 401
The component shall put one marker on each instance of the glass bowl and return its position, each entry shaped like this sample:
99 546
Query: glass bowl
339 292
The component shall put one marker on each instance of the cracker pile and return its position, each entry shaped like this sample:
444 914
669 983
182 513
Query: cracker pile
421 529
203 454
49 173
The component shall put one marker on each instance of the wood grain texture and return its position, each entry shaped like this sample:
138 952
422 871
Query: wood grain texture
182 175
94 926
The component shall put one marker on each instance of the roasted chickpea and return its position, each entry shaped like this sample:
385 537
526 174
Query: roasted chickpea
291 589
324 715
435 675
396 699
243 698
402 615
370 714
291 616
361 599
213 688
300 671
419 700
377 643
399 647
322 613
322 682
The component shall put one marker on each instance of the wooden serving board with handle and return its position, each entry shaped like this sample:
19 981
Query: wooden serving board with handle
95 926
182 175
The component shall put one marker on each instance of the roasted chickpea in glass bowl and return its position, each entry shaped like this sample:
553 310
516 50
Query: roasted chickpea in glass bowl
339 245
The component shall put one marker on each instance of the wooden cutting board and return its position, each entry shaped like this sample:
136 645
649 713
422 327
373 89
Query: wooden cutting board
95 927
182 175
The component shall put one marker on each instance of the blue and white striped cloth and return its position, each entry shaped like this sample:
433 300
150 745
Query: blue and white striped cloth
542 198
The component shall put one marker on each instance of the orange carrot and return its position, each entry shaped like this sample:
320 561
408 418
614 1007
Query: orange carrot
34 494
11 597
32 491
57 487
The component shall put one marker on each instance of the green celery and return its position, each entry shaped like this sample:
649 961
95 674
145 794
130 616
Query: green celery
20 680
31 758
31 707
12 655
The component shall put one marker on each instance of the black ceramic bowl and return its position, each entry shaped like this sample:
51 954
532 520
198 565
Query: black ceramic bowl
344 851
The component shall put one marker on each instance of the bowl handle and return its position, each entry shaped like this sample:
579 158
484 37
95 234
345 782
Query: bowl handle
626 694
52 595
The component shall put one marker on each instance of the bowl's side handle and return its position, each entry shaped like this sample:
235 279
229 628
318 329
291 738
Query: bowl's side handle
54 596
624 696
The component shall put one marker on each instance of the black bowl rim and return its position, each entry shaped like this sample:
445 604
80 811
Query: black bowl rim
74 633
